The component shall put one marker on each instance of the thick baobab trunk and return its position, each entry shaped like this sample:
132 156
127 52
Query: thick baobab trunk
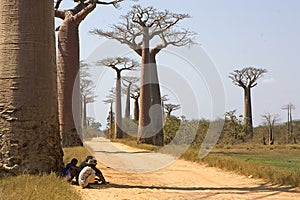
157 119
68 82
145 130
127 107
271 138
68 74
248 111
118 111
29 132
136 109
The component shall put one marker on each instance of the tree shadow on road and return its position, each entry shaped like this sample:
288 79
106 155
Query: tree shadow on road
260 188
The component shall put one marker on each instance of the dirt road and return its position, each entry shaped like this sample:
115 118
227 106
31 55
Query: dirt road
126 170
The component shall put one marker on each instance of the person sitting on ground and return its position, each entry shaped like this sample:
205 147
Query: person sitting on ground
83 164
71 170
87 174
99 174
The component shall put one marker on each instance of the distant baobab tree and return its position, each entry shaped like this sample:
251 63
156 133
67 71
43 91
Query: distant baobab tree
110 99
289 107
138 28
127 82
270 121
246 78
171 107
86 90
119 64
68 67
135 95
164 98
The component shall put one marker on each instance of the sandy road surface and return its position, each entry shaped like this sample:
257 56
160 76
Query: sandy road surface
124 167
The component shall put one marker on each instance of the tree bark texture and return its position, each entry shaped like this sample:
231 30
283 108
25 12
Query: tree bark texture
29 132
118 109
136 109
150 117
248 111
157 119
68 74
144 131
127 107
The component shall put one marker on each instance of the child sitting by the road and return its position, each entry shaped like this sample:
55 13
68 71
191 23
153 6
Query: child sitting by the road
71 170
87 174
99 174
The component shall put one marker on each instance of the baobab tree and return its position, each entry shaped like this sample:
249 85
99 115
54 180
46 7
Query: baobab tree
29 132
289 107
246 78
270 121
127 82
119 64
164 98
110 99
86 90
135 95
68 68
171 107
139 27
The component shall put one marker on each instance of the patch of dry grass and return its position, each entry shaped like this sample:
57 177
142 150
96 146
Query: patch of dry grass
46 187
75 152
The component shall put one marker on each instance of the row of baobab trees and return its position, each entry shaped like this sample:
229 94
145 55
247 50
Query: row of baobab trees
36 91
138 27
36 114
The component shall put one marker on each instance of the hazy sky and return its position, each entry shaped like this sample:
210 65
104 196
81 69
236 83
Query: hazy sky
232 34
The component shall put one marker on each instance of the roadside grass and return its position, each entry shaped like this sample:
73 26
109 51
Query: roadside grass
278 164
45 186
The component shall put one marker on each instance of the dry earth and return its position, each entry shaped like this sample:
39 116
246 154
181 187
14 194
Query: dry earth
125 168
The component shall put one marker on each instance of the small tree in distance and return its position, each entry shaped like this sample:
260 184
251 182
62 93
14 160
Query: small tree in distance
170 108
246 78
135 95
110 99
270 121
127 82
86 89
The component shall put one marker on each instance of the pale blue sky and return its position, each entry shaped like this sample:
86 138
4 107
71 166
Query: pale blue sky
234 34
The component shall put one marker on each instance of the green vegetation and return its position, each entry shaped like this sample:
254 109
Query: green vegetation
46 187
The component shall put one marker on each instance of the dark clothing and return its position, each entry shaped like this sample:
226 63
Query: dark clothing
70 171
65 170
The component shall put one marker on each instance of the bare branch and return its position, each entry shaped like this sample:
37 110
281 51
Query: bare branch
131 30
119 63
57 4
247 77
